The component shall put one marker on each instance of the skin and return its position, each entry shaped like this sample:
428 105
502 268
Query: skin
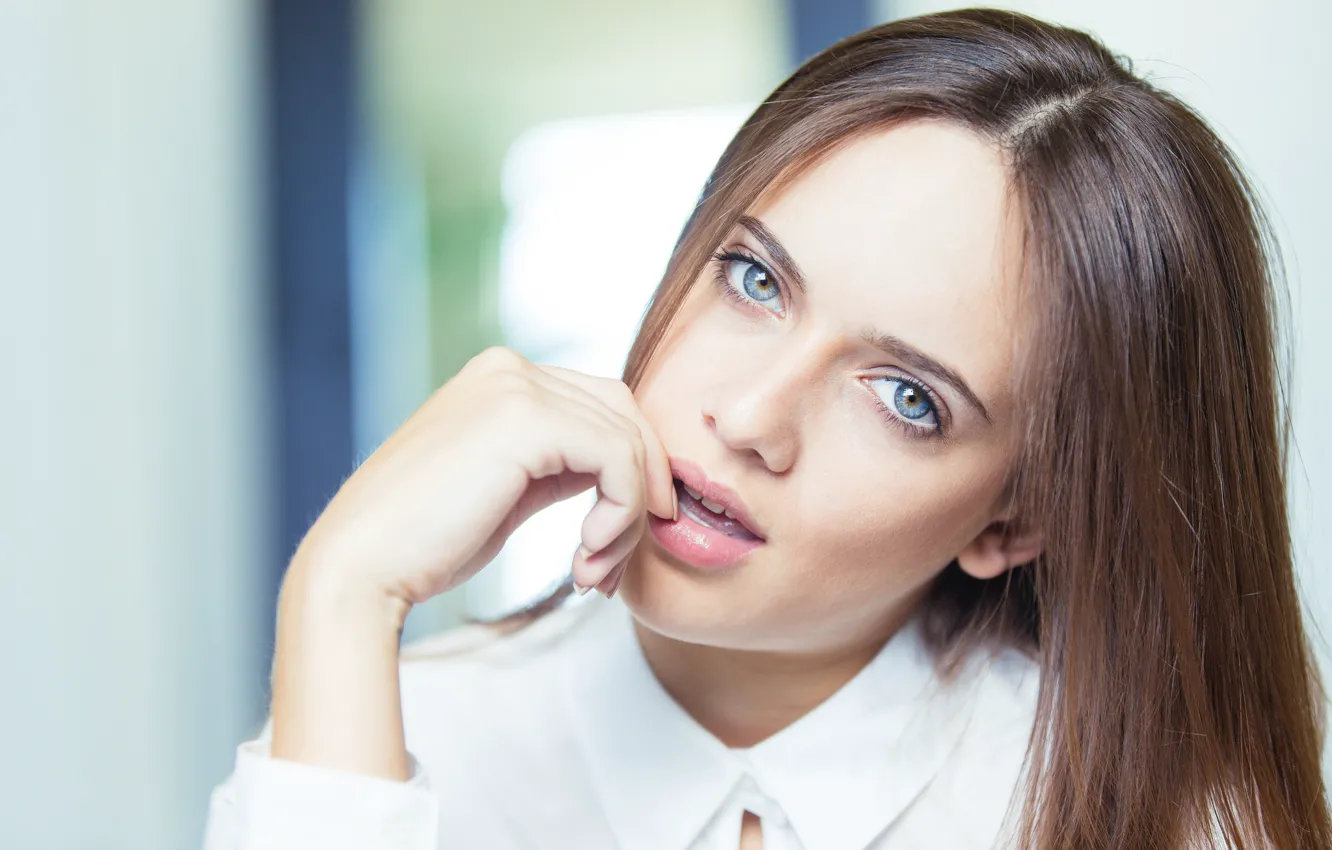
907 231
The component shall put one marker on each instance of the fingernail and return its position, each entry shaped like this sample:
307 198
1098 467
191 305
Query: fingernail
584 552
675 506
581 589
616 586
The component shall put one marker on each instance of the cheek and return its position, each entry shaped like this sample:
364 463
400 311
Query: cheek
696 349
666 392
866 508
891 514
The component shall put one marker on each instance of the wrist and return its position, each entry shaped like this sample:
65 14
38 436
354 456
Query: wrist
335 673
315 591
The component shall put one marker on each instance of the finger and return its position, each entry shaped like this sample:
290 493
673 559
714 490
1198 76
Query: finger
614 458
611 583
621 548
617 398
587 575
610 515
544 492
587 438
597 570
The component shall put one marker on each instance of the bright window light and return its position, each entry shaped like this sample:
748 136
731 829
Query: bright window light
595 206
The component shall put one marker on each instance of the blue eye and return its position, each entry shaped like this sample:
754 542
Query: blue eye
908 401
746 277
751 280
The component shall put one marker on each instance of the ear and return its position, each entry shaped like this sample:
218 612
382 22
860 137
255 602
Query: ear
1003 544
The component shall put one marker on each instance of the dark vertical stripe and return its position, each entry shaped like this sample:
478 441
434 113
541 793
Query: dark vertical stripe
310 133
816 24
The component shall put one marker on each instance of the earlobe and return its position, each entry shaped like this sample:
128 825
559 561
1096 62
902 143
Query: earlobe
999 548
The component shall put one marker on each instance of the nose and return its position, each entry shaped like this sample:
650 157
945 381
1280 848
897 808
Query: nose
758 414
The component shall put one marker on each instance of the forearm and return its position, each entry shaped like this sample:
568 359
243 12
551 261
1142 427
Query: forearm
336 701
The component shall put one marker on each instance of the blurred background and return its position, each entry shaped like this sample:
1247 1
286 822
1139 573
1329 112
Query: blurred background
241 240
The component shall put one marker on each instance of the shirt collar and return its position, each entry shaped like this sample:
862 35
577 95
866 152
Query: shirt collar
841 774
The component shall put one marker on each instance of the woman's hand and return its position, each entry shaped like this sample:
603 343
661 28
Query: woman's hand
496 444
432 506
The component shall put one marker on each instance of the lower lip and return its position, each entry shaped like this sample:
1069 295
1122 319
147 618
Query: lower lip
698 544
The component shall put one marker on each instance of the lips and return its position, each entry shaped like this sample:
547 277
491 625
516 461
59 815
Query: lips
715 529
714 504
712 514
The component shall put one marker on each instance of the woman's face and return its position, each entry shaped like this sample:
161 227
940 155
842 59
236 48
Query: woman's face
843 368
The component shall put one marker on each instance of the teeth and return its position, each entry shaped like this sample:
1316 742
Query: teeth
715 507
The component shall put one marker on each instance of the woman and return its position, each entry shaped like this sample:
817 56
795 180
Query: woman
942 506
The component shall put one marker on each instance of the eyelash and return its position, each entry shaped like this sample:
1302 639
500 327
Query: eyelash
915 432
722 260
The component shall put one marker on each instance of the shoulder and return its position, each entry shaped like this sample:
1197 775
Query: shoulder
462 670
997 687
1005 694
985 773
483 642
1009 686
487 716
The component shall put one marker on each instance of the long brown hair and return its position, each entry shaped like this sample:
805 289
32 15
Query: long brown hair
1179 702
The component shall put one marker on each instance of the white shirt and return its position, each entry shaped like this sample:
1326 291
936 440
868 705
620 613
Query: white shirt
561 736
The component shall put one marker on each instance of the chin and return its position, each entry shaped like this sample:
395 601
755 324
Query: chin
706 607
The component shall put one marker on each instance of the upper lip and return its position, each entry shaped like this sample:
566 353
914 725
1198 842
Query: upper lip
691 474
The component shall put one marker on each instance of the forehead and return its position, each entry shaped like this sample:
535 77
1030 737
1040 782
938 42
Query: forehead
909 230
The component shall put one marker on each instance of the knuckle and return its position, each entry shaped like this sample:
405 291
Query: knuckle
514 394
632 453
498 358
630 435
625 424
619 390
624 449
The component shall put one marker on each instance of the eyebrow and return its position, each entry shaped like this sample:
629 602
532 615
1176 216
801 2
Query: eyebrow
894 346
786 265
902 350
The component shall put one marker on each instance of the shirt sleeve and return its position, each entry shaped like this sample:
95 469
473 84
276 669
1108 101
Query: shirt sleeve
275 804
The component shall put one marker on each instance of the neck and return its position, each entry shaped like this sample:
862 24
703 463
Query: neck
745 696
